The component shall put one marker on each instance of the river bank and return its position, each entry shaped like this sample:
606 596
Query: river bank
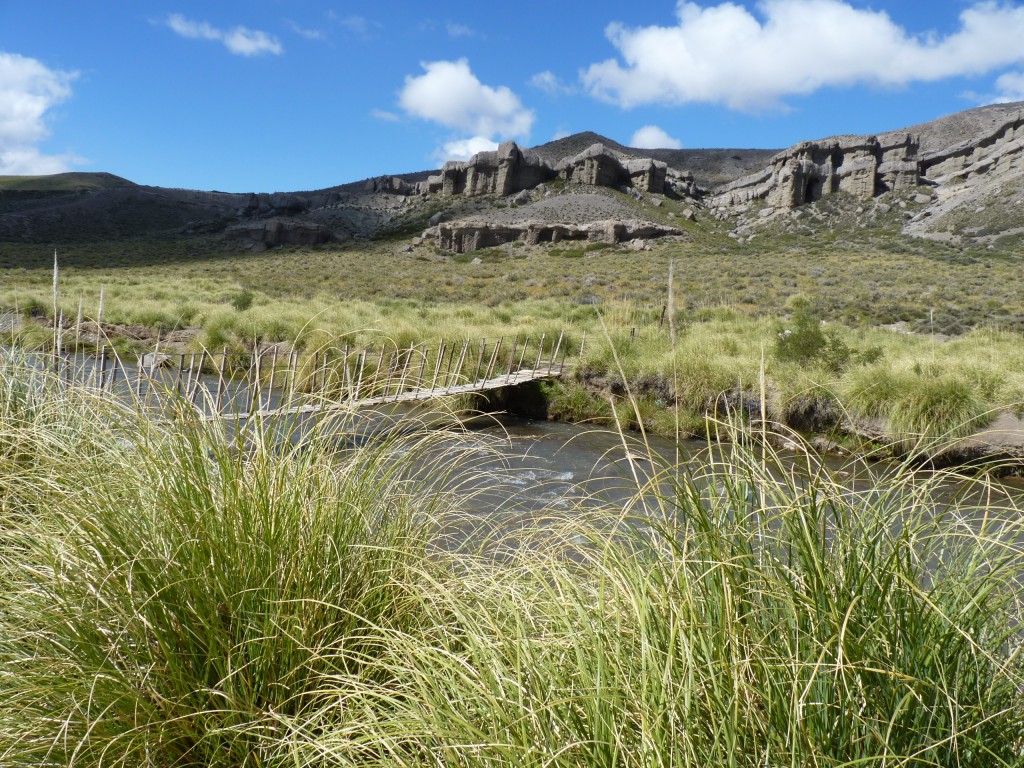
947 400
345 604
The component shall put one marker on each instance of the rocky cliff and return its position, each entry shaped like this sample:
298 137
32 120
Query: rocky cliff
861 166
510 169
963 148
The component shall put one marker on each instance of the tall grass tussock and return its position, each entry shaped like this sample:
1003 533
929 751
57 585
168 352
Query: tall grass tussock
176 596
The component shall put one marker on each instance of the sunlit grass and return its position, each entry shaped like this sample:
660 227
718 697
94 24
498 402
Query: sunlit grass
175 598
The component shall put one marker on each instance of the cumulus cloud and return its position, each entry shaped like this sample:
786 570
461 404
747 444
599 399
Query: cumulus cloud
463 149
28 91
653 137
1010 88
450 94
239 40
725 54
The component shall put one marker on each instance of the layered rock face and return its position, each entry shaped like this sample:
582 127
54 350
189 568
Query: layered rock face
860 166
503 172
270 232
997 151
469 235
598 166
509 170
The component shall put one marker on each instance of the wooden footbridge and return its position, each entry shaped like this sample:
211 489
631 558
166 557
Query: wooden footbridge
280 381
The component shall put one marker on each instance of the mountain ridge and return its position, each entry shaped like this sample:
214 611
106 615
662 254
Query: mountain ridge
953 161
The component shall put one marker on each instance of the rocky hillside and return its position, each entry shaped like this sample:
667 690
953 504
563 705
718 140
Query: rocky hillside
959 179
963 174
709 167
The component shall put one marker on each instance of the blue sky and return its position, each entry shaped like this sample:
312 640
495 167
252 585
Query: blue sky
273 95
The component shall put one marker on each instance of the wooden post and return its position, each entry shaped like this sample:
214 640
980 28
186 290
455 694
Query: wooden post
437 365
294 360
346 380
540 351
152 368
494 359
181 373
113 372
512 357
554 351
273 378
377 374
583 342
360 364
423 367
458 366
522 355
479 361
405 371
138 382
197 383
219 397
448 368
102 369
323 376
257 386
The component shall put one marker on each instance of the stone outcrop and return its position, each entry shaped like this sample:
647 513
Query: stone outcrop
504 171
469 235
271 232
998 150
390 185
509 170
862 166
598 166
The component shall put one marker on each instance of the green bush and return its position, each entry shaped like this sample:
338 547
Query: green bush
804 342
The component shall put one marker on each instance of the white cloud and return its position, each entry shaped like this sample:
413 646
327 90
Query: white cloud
251 42
548 82
309 34
653 137
725 54
1011 88
28 91
560 134
383 114
239 40
459 30
449 93
356 25
463 149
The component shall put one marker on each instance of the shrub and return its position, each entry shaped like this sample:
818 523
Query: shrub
805 343
242 300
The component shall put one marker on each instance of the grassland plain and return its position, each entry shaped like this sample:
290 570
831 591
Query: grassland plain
731 302
282 606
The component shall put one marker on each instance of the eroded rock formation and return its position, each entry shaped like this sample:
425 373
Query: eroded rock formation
504 171
390 185
996 151
271 232
469 235
862 166
509 170
598 166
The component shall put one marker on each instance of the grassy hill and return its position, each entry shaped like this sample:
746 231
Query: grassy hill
63 182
